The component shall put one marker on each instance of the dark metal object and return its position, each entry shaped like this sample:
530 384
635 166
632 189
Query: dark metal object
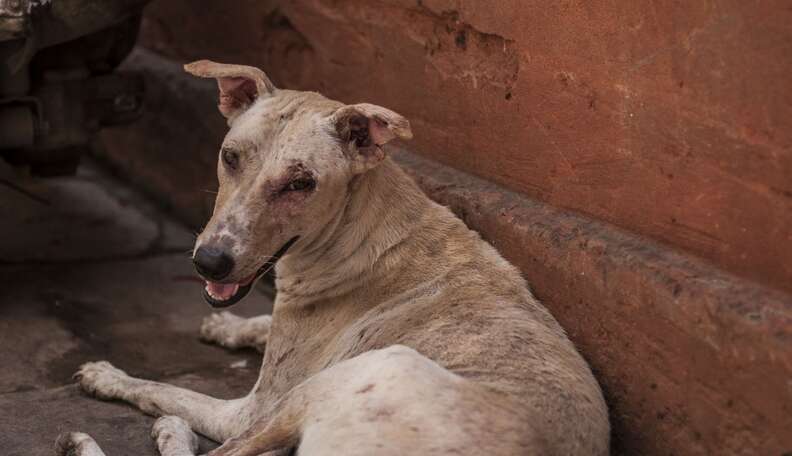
57 88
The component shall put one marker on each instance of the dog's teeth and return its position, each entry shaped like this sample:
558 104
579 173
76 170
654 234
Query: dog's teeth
216 297
221 292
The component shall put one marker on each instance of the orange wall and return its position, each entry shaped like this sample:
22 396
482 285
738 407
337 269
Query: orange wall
670 119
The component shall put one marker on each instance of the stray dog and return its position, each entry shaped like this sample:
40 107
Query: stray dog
396 329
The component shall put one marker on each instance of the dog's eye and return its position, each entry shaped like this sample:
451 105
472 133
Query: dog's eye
300 184
230 158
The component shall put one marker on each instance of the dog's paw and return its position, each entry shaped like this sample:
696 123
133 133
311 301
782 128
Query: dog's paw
230 331
101 379
76 444
221 329
172 431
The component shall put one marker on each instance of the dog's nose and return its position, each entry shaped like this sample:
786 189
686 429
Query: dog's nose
213 263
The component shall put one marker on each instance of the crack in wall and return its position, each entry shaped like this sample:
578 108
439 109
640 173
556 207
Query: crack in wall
453 48
457 50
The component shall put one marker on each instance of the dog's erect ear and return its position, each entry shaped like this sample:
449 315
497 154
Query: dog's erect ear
239 85
365 127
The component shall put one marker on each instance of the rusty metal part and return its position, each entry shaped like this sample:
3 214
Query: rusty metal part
13 19
57 88
50 129
52 22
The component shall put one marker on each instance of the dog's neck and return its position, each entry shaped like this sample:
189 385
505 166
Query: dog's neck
381 213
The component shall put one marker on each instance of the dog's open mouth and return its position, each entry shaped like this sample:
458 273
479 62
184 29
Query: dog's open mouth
227 294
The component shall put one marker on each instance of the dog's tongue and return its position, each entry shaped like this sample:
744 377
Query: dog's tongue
221 291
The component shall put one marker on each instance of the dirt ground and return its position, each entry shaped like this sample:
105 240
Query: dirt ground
89 270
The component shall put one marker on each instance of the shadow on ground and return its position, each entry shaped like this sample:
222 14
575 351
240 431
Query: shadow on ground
89 270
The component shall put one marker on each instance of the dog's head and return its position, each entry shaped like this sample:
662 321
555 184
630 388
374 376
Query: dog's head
284 170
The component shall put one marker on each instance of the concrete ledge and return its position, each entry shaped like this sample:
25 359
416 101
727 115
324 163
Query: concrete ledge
693 360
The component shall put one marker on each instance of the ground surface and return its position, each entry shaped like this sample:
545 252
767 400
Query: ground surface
90 271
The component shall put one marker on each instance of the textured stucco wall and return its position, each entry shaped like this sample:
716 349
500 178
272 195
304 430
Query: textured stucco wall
670 119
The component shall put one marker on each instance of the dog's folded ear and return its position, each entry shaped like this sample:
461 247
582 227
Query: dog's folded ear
364 128
239 85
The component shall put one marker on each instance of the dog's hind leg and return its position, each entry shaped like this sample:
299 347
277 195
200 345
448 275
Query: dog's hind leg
217 419
231 331
172 434
77 444
174 437
383 402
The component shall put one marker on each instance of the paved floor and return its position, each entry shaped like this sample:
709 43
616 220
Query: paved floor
89 270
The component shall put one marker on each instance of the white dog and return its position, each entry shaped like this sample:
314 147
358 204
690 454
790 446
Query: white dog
396 329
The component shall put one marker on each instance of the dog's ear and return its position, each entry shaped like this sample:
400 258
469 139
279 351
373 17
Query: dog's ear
239 85
364 128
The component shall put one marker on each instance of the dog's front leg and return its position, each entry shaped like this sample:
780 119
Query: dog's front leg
217 419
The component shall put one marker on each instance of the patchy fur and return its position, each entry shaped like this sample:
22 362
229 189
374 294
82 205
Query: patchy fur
396 329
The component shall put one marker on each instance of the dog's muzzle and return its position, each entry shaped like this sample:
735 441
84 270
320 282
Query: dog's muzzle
220 295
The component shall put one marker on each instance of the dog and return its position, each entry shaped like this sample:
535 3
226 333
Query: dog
396 329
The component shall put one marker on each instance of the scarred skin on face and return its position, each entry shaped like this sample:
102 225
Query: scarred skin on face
290 199
285 170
